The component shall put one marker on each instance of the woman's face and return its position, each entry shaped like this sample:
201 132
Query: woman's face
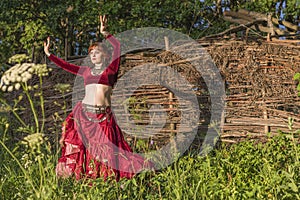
96 55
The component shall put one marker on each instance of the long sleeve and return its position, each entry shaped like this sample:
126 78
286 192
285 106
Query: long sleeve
114 65
74 69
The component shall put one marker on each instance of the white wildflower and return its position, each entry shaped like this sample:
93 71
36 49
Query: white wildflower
19 78
28 76
24 79
5 81
24 74
17 86
4 88
18 58
10 88
13 78
19 73
25 66
34 140
31 70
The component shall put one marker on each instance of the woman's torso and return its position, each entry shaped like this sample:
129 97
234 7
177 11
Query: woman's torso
97 94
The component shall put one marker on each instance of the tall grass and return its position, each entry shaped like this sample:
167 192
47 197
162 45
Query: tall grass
248 170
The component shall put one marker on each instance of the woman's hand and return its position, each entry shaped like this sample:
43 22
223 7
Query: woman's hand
47 46
103 25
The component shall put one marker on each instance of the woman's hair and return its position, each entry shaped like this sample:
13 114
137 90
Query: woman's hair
101 46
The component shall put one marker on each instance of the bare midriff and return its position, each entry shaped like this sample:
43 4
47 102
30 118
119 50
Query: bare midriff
97 95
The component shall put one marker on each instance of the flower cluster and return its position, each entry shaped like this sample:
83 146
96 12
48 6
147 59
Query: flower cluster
21 73
33 141
18 58
62 87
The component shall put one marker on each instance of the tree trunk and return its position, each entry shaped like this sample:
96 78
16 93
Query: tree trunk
66 40
32 53
219 7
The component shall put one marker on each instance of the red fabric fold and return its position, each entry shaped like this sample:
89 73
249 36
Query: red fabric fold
95 149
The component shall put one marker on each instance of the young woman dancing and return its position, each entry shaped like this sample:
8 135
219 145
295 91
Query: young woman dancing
92 142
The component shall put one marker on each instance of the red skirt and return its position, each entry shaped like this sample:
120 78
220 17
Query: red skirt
94 146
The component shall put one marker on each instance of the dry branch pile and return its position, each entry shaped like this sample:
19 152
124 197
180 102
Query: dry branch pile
261 93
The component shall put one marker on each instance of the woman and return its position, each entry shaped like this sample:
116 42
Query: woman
93 144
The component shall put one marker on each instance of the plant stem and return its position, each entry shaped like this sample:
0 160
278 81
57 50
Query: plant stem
41 170
21 167
14 112
25 88
42 104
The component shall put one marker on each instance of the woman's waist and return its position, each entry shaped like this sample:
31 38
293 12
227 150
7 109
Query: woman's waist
97 109
96 101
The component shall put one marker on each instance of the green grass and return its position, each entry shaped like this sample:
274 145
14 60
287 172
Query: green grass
248 170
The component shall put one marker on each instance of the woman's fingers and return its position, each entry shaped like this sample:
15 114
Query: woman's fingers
47 46
103 19
48 41
103 22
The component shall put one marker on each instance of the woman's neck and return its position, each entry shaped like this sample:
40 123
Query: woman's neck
98 66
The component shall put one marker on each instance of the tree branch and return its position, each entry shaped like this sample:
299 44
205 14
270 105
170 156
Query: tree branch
236 29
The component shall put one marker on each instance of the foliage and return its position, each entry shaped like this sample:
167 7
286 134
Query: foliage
25 24
17 77
248 170
297 78
283 10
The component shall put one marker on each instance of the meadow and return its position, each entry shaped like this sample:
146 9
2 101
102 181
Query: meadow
247 170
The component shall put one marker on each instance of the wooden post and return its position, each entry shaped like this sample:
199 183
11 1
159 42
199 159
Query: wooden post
265 113
171 95
270 25
267 128
171 98
167 43
32 54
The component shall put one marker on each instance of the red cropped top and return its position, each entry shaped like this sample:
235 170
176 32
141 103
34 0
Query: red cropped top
108 76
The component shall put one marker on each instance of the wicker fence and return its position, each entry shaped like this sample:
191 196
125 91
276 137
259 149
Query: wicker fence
261 95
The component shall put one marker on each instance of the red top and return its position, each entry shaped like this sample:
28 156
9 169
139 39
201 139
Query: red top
109 75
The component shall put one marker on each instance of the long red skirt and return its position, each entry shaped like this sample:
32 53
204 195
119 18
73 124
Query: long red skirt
94 148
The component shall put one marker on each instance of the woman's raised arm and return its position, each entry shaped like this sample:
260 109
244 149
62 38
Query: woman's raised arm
114 66
74 69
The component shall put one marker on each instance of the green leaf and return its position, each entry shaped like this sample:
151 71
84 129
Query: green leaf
293 186
297 77
298 87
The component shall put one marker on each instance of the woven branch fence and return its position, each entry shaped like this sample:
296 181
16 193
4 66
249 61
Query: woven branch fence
261 95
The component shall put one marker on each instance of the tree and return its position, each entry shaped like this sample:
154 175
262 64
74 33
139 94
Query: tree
73 24
23 27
